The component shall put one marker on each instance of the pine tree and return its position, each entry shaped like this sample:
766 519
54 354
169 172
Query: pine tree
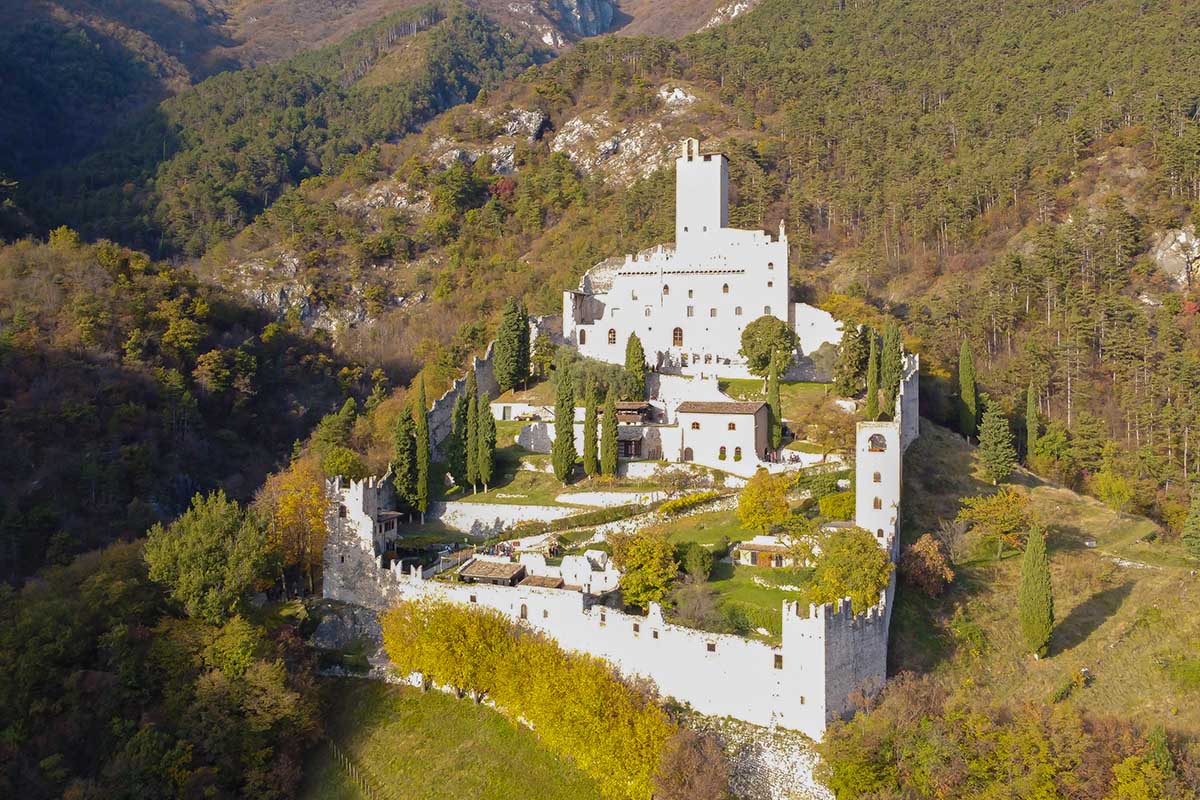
404 460
608 436
891 367
851 365
590 465
1035 598
471 441
506 352
996 445
968 396
1191 526
562 455
486 458
872 378
456 443
524 356
1031 423
421 425
635 366
775 421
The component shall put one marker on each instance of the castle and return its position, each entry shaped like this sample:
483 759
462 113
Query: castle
690 302
827 655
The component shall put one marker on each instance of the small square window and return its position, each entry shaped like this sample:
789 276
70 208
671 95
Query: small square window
473 598
712 647
770 284
778 661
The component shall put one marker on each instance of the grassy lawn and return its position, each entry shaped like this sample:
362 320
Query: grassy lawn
1133 627
538 394
708 529
805 447
793 396
430 746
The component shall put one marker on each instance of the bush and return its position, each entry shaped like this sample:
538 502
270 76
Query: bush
679 505
925 565
839 505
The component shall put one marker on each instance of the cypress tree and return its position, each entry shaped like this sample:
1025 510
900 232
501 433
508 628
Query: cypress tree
1035 598
523 354
1191 526
996 445
471 440
873 378
562 455
1031 423
456 444
404 460
891 365
775 421
851 365
421 424
486 459
506 352
635 366
968 395
590 466
608 436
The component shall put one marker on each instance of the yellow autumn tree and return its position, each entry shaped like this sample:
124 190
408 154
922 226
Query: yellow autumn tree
293 503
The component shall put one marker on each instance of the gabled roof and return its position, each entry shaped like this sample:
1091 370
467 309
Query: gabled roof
719 407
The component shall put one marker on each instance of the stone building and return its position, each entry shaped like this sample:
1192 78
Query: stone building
689 302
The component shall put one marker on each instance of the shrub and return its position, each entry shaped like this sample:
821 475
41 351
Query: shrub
839 505
679 505
925 565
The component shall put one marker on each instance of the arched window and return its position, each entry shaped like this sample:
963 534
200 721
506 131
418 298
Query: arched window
691 292
725 289
708 358
687 454
712 312
877 478
666 289
737 311
695 426
770 284
767 310
647 311
633 295
879 533
877 443
583 337
612 336
677 337
524 611
770 265
737 454
733 426
721 455
877 504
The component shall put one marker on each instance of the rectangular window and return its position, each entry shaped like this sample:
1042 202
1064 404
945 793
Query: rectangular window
778 661
472 598
603 618
637 628
654 634
712 312
691 293
801 699
545 614
691 311
712 647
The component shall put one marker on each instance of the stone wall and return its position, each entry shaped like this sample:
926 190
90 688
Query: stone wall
441 416
488 519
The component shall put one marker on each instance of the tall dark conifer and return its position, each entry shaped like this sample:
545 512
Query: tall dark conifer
873 377
1035 598
590 464
608 436
420 413
486 456
471 440
562 454
774 408
968 394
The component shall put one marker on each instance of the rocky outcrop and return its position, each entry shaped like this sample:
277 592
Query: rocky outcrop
728 12
1177 253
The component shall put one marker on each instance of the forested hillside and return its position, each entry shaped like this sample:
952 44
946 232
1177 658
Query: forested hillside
126 386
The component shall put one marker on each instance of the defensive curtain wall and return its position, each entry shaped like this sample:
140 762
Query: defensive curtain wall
827 654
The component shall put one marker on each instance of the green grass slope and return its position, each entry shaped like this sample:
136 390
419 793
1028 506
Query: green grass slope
1124 608
430 746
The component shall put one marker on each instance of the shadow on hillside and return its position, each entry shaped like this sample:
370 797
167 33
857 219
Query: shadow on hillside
1086 617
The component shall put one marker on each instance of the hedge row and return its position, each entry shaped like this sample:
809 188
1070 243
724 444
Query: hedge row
679 505
588 519
573 702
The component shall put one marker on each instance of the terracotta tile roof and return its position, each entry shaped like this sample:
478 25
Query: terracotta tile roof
491 570
543 582
719 407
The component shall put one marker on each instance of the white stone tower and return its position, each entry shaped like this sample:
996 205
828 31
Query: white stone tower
701 193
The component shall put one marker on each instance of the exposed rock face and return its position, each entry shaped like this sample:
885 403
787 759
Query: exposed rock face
728 12
1177 253
585 17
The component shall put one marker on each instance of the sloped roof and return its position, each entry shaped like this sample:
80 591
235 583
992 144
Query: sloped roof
479 569
716 407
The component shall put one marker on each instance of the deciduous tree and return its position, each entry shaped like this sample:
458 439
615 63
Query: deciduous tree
765 339
209 557
851 564
926 565
762 503
1004 515
648 569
